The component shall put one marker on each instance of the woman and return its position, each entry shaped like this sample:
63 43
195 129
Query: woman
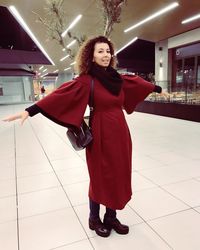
42 90
109 154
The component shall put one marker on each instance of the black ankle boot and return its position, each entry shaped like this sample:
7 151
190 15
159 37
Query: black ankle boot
99 227
114 223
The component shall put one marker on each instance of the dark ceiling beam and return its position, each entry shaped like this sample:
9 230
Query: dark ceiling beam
22 57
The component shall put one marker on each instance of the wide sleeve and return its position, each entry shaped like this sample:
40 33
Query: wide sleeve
67 104
135 89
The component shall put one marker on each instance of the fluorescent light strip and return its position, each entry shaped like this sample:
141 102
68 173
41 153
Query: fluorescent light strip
67 68
44 70
126 45
158 13
55 71
41 67
44 75
73 63
70 44
71 25
191 19
62 59
21 21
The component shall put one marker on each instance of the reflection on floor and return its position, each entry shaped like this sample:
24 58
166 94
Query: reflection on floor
44 186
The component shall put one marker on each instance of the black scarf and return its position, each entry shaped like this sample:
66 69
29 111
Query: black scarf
108 77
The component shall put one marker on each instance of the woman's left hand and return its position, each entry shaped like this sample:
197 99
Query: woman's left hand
22 116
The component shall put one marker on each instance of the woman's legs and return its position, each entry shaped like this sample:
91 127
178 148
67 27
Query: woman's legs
94 210
94 220
110 213
111 222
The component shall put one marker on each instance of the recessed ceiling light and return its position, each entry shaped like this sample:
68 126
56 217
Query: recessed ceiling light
41 67
44 75
62 59
21 21
133 40
158 13
70 44
67 68
191 19
71 25
73 63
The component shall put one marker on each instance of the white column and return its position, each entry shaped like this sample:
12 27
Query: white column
161 63
63 77
27 85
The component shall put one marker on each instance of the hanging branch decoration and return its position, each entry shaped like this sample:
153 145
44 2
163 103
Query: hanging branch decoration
55 22
111 14
80 40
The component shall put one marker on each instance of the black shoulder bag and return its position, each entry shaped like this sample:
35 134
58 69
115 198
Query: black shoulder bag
81 137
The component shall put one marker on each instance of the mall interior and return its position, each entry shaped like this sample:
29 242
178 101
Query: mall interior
44 182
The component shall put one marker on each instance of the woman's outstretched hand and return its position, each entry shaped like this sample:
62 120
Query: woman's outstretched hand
22 116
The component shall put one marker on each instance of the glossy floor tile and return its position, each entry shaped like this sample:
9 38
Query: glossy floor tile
180 230
44 187
9 235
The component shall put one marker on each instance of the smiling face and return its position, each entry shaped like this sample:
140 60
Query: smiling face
102 54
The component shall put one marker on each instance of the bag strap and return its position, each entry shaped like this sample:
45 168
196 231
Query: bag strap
91 99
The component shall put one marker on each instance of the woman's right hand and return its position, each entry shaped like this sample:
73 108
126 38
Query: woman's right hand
22 116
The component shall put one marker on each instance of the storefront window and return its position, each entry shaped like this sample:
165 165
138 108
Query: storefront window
198 70
185 84
179 71
189 69
189 74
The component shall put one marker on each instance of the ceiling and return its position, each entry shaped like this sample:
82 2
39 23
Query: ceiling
163 27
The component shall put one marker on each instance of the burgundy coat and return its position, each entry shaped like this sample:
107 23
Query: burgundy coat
109 154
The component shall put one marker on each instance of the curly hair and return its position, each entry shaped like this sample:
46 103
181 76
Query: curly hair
84 58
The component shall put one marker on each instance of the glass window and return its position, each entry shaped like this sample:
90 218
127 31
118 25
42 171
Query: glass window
179 71
198 70
188 72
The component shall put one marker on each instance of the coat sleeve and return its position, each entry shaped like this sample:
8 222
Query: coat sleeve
67 104
135 90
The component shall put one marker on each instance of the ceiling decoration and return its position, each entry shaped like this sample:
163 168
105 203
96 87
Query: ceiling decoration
56 21
91 24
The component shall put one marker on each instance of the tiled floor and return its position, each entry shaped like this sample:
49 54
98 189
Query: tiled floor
44 186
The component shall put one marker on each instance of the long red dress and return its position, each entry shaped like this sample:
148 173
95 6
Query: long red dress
109 154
